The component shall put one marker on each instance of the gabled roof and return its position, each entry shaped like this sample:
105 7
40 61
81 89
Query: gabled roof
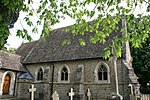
25 48
52 49
10 61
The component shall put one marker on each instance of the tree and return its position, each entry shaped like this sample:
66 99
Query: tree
141 65
141 62
10 50
141 56
9 13
103 13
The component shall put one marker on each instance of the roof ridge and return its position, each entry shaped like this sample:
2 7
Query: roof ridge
24 44
30 51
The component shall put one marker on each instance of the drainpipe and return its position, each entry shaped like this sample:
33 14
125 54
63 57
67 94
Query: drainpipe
114 74
52 80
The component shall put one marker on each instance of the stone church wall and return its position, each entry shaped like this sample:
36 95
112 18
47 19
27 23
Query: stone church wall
22 92
42 90
80 85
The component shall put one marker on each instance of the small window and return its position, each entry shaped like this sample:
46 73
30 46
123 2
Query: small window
102 73
64 74
40 74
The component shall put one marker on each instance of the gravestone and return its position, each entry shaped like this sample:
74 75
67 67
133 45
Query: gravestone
55 96
71 94
32 90
0 64
88 94
113 96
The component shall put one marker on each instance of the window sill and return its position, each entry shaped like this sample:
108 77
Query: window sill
102 82
63 81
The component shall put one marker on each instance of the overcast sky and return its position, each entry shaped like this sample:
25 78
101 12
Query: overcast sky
14 41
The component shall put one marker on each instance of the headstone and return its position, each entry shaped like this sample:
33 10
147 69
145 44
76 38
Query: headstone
32 90
71 94
55 96
0 64
89 94
113 96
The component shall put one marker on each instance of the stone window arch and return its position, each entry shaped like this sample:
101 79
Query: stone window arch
64 74
40 74
102 73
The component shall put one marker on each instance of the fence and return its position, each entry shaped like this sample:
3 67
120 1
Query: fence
145 93
145 97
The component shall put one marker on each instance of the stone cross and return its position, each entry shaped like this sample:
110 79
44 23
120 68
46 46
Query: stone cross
55 96
32 90
89 94
71 94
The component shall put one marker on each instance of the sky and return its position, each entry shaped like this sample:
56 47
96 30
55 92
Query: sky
14 41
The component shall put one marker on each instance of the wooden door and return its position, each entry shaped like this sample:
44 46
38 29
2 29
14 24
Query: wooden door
6 84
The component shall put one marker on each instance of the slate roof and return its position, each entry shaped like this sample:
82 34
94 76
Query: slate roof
10 61
25 48
52 49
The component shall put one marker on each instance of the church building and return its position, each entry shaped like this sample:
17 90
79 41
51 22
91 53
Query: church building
57 67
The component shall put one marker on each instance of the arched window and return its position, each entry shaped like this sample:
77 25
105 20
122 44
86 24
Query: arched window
102 73
40 74
64 74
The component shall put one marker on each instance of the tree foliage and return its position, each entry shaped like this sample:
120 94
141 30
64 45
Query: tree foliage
141 55
9 13
10 50
141 62
105 14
